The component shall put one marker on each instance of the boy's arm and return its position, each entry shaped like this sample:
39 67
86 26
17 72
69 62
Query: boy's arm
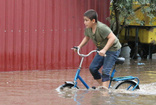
111 38
84 41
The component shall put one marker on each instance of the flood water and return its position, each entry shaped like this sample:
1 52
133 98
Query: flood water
40 87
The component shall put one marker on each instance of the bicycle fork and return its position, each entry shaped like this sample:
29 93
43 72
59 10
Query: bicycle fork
77 76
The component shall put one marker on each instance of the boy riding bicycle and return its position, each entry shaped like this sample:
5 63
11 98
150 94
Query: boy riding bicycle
107 44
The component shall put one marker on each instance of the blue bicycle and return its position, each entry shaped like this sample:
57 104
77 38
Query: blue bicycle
126 82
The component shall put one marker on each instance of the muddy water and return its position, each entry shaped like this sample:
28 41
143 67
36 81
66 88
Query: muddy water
144 69
39 87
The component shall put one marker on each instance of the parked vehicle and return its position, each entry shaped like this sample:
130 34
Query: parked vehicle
140 38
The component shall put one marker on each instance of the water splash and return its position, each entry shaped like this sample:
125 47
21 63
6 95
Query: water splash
145 89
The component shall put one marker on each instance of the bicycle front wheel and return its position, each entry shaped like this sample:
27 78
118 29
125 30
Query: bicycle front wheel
127 85
67 87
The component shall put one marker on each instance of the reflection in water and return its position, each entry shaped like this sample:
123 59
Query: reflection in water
90 96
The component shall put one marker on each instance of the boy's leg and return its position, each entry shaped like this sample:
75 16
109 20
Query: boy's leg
108 64
95 66
105 84
99 81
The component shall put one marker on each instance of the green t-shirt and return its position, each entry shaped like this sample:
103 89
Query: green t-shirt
100 37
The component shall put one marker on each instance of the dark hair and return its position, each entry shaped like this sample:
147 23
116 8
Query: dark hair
91 14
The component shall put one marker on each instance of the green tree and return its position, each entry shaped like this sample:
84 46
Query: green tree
124 13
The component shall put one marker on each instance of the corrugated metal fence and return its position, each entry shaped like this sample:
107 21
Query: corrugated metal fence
38 34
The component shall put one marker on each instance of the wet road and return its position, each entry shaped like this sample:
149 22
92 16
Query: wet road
39 87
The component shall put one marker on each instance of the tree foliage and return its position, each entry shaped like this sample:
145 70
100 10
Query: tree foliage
123 13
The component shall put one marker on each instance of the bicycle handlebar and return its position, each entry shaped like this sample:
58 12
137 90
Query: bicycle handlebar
84 55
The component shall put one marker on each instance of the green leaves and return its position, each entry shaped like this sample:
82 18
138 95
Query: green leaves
132 12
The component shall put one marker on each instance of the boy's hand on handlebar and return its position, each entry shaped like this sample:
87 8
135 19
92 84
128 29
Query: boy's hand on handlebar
75 48
102 53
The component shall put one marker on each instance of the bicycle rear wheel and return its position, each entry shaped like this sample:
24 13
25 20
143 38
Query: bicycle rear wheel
127 85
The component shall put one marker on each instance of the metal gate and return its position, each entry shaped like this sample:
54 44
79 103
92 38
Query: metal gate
38 34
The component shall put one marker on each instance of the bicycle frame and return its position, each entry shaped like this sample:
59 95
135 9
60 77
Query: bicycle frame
77 76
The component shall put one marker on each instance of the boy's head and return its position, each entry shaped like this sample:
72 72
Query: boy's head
91 14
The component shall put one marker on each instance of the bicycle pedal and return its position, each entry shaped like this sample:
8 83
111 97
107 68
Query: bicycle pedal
93 87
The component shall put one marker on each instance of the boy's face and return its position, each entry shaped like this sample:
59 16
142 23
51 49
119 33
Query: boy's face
88 23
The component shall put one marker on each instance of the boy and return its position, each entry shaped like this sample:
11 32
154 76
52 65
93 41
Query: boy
107 44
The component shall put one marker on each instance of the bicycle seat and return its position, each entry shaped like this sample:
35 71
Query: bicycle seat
120 60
